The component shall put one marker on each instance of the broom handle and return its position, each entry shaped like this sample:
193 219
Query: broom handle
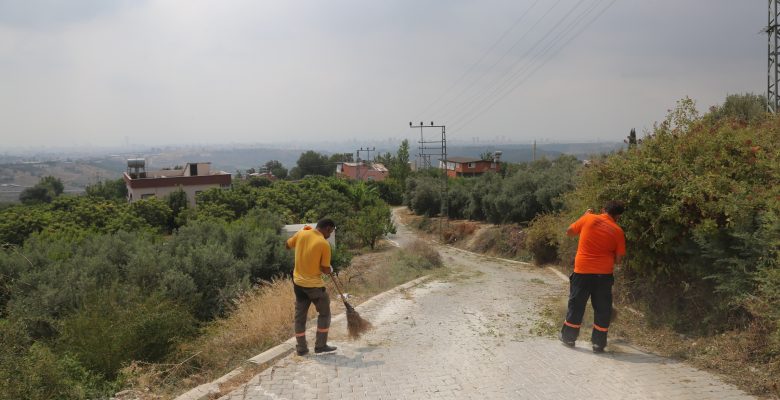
338 288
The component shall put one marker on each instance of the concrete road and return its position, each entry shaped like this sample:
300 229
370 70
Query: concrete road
472 335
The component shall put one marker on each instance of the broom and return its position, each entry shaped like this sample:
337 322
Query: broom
356 325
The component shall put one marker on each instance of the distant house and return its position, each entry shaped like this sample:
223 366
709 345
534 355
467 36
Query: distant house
267 175
469 166
193 179
362 171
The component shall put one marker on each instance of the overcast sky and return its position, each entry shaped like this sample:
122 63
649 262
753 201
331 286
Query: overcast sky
100 72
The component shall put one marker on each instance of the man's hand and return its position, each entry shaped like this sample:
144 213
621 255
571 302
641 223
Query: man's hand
326 270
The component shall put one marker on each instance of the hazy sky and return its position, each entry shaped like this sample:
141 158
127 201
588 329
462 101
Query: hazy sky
95 72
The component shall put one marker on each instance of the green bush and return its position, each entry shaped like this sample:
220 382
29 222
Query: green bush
30 370
698 194
390 190
423 195
543 238
122 327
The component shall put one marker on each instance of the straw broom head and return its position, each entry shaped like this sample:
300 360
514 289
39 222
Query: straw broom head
356 325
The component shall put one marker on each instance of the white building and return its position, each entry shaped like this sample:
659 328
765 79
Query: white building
193 179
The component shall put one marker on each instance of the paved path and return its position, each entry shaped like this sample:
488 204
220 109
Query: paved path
468 336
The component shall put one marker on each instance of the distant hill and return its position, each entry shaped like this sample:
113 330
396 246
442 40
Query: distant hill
524 152
75 175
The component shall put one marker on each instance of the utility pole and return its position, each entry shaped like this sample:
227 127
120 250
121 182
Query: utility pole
773 68
368 157
427 149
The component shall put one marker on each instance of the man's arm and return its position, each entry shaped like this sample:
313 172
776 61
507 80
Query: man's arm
576 227
325 266
290 243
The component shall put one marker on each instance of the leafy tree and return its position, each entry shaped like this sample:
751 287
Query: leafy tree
372 223
235 201
744 108
390 190
400 169
276 168
177 201
259 181
312 163
36 195
155 212
423 195
53 184
44 191
115 189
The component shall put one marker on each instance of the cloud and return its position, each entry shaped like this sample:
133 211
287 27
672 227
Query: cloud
176 71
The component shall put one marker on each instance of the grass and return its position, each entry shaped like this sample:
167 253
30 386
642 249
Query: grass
724 353
263 318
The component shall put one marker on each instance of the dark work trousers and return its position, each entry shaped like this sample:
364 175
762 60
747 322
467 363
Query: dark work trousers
304 297
599 288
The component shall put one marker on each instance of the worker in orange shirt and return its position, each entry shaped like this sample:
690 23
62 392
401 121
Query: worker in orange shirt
312 259
602 245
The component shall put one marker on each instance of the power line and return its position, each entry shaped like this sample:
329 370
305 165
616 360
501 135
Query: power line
527 76
498 82
464 103
484 55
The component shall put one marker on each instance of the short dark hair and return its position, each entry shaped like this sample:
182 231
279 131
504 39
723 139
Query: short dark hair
615 207
325 223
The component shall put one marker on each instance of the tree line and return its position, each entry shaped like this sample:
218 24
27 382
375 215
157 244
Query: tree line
90 283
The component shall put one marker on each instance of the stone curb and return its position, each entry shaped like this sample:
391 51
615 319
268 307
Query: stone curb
270 356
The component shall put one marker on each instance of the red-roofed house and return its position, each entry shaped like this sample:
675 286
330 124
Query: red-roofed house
470 166
362 171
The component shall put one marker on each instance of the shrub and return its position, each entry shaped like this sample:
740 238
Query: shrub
699 195
422 255
122 330
424 196
542 239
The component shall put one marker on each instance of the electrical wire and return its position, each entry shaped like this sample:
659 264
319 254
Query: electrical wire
484 93
479 61
527 76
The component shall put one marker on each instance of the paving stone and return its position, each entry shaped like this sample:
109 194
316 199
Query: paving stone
468 338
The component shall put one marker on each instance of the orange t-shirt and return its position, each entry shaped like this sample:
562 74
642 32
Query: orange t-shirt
600 240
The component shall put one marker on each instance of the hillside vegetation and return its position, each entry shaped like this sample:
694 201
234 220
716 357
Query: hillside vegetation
91 284
702 223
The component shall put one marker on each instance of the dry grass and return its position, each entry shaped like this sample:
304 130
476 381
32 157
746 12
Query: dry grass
425 252
730 354
727 354
263 318
260 320
458 231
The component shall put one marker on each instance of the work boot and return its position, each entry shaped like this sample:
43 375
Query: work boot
324 349
301 348
567 343
597 348
321 346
